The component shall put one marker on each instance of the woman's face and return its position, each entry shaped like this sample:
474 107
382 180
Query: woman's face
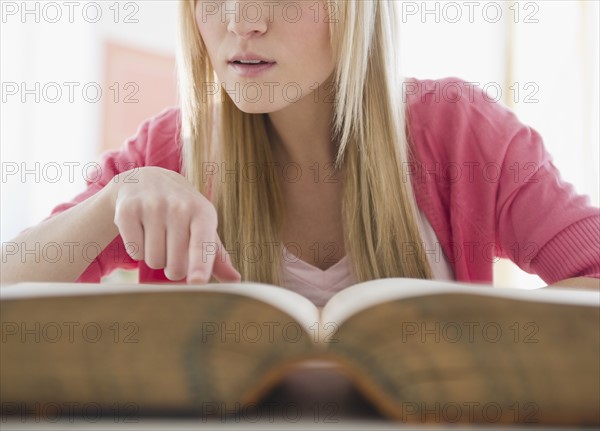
294 35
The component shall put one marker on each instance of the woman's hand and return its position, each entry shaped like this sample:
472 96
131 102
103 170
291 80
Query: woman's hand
577 283
166 222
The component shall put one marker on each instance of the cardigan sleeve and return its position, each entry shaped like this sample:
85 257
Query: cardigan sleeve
492 187
543 224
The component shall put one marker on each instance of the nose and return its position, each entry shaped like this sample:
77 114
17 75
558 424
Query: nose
246 18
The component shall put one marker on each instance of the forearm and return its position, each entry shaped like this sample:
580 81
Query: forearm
588 283
61 248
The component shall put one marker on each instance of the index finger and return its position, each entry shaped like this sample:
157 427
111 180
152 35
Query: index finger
202 252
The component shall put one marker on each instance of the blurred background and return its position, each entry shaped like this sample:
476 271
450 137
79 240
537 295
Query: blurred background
79 77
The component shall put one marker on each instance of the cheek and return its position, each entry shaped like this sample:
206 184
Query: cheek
209 30
201 23
311 39
207 18
316 29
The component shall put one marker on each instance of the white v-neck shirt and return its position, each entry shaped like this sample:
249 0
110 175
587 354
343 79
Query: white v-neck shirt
320 285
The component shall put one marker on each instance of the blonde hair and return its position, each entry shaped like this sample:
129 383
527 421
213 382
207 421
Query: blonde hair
379 209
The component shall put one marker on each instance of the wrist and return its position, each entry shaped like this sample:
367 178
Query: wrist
107 201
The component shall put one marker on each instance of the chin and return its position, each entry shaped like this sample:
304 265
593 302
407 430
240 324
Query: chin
258 107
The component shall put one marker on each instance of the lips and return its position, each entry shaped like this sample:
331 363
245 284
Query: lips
250 64
250 57
251 70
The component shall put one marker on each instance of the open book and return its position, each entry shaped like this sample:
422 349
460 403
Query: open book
476 353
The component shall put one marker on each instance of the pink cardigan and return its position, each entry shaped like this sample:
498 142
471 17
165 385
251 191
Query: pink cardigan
484 180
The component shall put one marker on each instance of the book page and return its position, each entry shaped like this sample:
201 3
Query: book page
174 348
422 347
295 305
371 293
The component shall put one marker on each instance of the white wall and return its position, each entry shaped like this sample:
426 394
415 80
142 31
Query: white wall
35 50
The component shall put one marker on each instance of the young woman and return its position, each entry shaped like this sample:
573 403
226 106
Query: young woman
317 167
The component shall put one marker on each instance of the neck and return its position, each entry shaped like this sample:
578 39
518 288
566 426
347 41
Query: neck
301 133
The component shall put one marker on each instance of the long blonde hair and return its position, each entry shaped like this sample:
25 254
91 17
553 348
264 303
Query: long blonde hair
381 232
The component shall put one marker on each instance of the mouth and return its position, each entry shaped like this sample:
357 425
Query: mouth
250 57
251 62
251 68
